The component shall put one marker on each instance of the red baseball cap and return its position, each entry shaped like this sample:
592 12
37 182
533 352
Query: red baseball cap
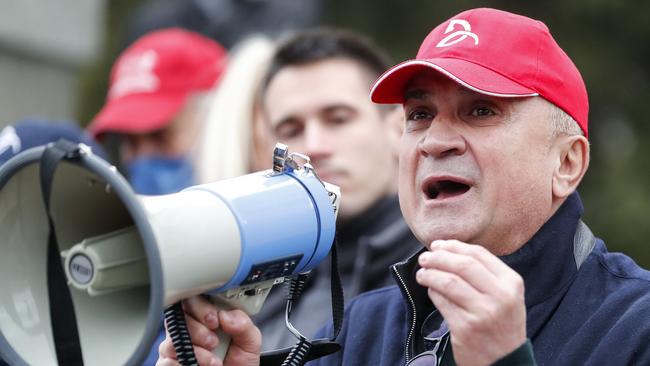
152 78
496 53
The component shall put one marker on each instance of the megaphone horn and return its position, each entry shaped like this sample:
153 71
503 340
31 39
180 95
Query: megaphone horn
126 257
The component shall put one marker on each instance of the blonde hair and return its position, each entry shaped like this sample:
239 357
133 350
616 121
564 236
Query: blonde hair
225 147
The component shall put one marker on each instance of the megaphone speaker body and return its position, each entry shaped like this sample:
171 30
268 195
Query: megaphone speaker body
129 256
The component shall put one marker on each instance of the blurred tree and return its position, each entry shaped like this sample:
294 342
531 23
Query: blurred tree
606 39
94 80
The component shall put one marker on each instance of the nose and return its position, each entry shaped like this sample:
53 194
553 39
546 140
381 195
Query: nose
318 142
442 139
134 146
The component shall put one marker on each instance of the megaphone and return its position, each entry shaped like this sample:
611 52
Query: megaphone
126 257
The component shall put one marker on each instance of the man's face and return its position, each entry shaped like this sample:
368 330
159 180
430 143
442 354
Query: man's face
176 139
323 110
473 167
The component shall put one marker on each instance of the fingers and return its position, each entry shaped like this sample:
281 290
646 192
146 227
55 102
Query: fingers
476 265
464 266
479 253
455 288
241 329
480 297
166 349
167 362
246 338
201 335
203 319
202 310
452 313
468 276
167 355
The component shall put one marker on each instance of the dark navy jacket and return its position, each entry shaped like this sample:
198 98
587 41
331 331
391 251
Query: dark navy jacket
590 308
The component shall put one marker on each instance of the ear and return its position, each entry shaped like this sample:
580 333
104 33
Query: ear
573 154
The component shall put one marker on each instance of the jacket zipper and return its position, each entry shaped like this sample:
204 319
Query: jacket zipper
412 330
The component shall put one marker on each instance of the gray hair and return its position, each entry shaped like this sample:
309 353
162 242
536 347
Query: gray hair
563 124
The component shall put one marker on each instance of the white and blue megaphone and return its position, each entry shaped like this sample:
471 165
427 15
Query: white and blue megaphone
126 257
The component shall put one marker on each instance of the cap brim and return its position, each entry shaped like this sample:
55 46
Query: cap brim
137 113
390 87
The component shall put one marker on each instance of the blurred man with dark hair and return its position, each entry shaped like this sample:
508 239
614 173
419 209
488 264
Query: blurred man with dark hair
315 100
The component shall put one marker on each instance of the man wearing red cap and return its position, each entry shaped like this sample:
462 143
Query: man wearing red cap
157 95
159 91
494 147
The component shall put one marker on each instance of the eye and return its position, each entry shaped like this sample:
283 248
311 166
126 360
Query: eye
338 115
417 119
418 115
288 129
338 118
483 111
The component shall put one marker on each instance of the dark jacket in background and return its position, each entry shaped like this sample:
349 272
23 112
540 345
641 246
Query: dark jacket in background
583 307
367 246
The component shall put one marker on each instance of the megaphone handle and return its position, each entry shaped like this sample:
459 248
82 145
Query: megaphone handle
250 304
224 338
224 344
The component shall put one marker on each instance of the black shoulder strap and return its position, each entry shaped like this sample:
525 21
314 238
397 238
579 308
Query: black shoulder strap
62 314
319 347
338 302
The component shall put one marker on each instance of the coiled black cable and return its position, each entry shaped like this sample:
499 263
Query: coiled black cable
177 328
298 354
295 286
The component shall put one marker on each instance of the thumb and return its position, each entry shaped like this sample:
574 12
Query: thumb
246 342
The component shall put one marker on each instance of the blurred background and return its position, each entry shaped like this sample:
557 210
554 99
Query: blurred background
55 58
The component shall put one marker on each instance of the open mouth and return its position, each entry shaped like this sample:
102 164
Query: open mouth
437 190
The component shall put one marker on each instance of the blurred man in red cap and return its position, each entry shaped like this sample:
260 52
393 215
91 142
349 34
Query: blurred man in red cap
493 149
155 104
159 91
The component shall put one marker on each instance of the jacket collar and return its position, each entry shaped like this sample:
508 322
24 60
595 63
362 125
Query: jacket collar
546 262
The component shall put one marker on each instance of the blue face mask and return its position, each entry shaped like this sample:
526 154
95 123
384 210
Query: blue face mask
156 175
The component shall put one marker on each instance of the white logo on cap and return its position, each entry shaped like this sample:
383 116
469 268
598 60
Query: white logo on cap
9 140
135 75
459 35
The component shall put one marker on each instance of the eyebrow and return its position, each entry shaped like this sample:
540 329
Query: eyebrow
335 107
330 108
420 94
466 91
415 94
